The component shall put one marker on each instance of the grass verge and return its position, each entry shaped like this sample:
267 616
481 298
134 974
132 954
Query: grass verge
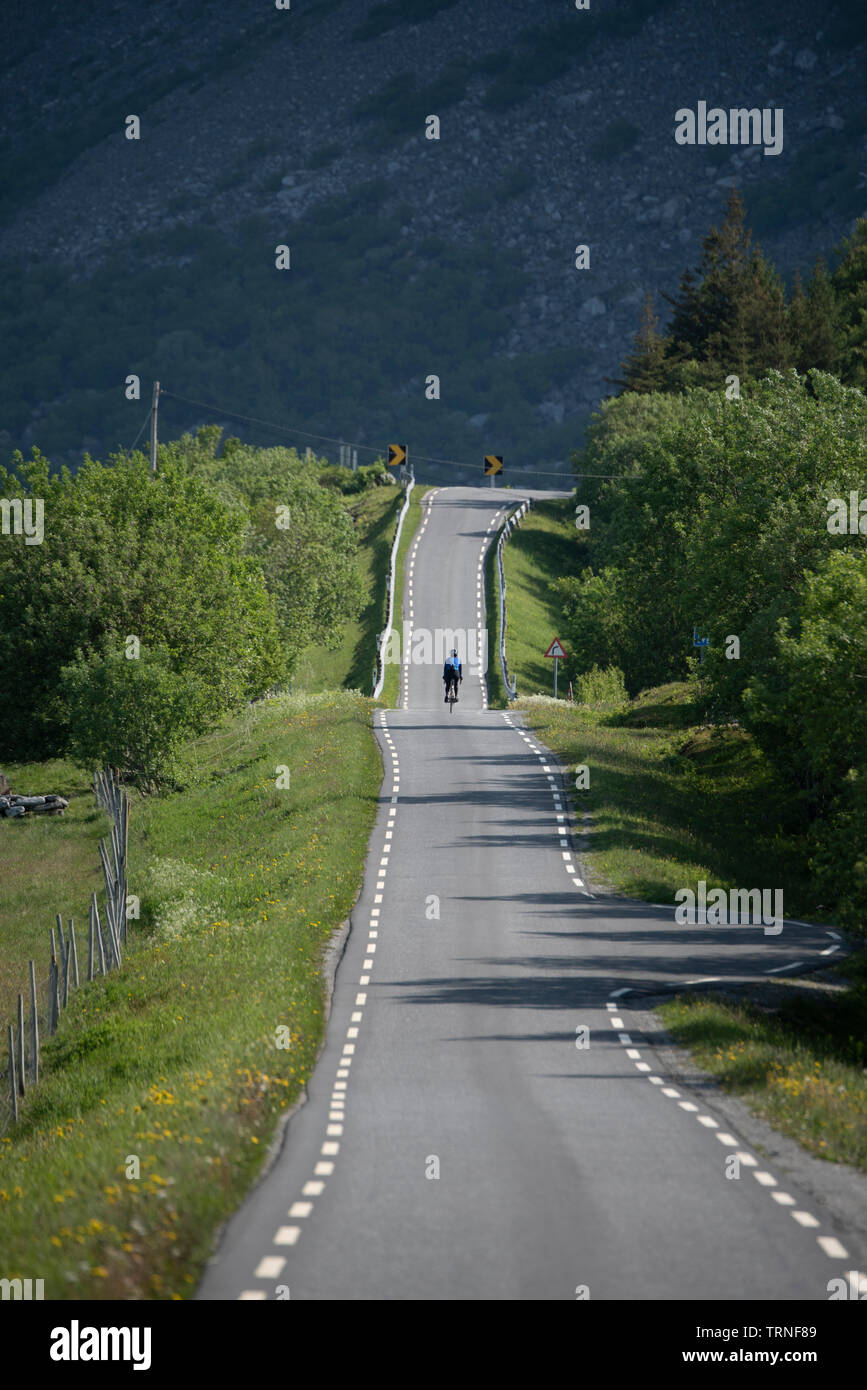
541 550
672 800
497 698
48 864
178 1067
675 800
795 1055
391 685
351 665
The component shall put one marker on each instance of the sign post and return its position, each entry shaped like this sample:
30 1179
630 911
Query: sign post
556 650
397 458
493 465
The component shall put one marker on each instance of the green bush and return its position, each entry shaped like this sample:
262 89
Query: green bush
132 715
598 687
349 481
123 554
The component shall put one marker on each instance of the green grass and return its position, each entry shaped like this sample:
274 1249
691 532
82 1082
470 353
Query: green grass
497 698
673 801
391 684
351 665
797 1059
177 1059
48 864
541 550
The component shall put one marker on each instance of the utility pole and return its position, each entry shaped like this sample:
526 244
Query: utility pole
154 407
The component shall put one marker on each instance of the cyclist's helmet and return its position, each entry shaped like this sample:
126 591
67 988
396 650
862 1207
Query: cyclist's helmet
455 652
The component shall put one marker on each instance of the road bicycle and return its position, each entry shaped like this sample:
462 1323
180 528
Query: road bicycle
453 695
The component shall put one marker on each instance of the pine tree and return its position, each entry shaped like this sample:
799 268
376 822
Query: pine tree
798 315
849 283
644 367
729 315
760 312
813 320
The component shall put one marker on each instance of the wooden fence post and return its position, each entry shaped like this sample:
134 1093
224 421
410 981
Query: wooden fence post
100 945
64 957
52 984
60 941
21 1082
34 1027
113 938
55 997
14 1088
73 950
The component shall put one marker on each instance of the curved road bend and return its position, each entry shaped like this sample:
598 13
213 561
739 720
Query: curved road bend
456 1144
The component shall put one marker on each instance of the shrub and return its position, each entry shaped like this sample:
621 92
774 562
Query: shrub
132 715
598 687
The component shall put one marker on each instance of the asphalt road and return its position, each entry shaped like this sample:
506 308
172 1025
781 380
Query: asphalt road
482 1124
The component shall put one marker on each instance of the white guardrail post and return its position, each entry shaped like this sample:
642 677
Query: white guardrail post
383 636
512 521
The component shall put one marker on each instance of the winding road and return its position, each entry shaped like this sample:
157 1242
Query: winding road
486 1120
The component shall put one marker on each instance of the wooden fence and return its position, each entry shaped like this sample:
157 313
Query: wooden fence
106 940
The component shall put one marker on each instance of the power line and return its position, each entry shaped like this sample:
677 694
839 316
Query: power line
368 448
141 431
267 424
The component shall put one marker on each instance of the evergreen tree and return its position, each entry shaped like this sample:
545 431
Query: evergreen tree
644 367
798 315
729 315
760 316
813 322
850 292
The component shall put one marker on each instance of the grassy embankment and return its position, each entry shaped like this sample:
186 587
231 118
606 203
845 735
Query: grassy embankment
176 1059
352 664
673 801
48 864
411 523
539 551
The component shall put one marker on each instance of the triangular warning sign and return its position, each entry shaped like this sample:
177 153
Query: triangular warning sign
556 648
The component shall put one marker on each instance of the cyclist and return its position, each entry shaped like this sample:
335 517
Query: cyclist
452 674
